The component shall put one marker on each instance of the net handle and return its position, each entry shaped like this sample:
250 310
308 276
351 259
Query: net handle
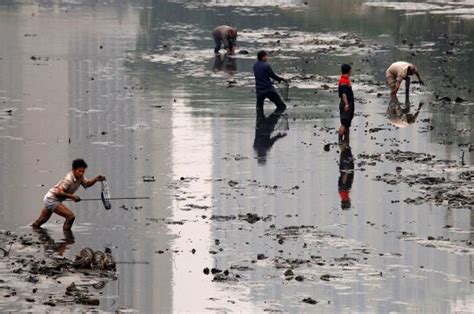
114 198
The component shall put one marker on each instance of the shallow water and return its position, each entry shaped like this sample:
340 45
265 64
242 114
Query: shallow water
135 89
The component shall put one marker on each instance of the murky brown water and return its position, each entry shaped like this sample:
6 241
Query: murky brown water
135 89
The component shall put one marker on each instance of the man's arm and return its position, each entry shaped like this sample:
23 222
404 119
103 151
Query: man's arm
231 40
61 194
419 77
397 87
89 183
346 102
274 76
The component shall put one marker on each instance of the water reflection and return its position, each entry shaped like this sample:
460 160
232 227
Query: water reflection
267 131
225 63
53 246
346 175
399 113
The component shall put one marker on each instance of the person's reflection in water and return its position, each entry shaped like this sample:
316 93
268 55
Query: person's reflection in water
346 176
52 246
265 134
399 113
225 63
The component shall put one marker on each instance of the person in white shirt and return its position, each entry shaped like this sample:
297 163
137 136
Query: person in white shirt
226 35
399 71
63 190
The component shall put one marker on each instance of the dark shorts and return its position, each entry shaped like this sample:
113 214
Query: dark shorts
346 122
346 116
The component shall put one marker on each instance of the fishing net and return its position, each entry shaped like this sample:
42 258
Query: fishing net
105 195
284 89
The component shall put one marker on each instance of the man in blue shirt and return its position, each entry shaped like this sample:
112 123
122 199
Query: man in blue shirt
264 87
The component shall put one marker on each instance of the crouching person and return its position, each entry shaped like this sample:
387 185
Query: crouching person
65 189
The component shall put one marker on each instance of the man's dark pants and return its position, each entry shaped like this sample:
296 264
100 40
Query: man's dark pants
271 94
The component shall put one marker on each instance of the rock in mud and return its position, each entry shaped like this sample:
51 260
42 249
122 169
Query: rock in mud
299 278
241 268
223 277
148 178
250 218
310 301
223 218
445 99
88 301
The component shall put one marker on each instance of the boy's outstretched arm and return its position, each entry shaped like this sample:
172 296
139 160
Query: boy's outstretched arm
91 182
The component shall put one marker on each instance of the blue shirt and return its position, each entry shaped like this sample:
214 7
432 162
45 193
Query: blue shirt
263 72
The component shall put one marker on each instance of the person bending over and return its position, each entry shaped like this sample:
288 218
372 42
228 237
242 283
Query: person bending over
399 71
226 35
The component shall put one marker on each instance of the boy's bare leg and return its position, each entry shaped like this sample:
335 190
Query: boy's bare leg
346 136
342 131
65 212
44 217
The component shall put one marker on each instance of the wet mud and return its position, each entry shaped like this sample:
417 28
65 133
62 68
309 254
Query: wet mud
247 212
27 276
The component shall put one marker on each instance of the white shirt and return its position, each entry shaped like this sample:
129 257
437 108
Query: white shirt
399 70
69 184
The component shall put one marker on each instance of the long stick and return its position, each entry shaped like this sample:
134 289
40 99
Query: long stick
115 198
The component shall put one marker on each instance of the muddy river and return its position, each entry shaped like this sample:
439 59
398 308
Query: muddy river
245 214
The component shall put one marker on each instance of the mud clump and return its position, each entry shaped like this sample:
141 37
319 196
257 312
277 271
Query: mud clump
289 273
90 259
310 301
30 271
440 190
299 278
225 277
148 179
250 218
